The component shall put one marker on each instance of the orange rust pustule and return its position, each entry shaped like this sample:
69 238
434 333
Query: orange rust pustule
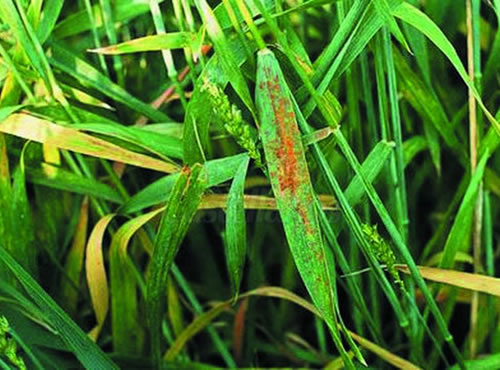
284 117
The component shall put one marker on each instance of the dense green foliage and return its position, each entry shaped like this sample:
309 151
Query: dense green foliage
249 183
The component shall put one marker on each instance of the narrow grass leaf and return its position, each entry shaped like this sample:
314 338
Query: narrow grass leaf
466 280
218 171
292 188
200 322
211 201
160 144
21 229
182 204
89 354
70 287
97 280
459 235
173 40
412 147
424 24
50 13
68 62
227 59
192 329
58 178
371 167
236 229
126 327
384 10
45 132
174 307
199 113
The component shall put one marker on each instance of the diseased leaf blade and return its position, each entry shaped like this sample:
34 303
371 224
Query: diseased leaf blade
182 204
293 190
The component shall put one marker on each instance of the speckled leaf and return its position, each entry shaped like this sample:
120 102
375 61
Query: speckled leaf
292 188
182 204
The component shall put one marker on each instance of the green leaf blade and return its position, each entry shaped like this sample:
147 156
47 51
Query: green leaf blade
236 244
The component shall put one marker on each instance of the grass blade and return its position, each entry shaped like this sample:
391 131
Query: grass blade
466 280
89 354
424 24
97 280
292 187
21 125
228 62
173 40
68 62
70 288
181 207
460 232
218 170
236 234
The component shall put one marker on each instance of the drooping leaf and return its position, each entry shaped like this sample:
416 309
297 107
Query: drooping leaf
126 328
65 137
97 280
151 141
476 282
58 178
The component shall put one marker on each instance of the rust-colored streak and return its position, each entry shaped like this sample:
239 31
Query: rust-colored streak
289 176
301 210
